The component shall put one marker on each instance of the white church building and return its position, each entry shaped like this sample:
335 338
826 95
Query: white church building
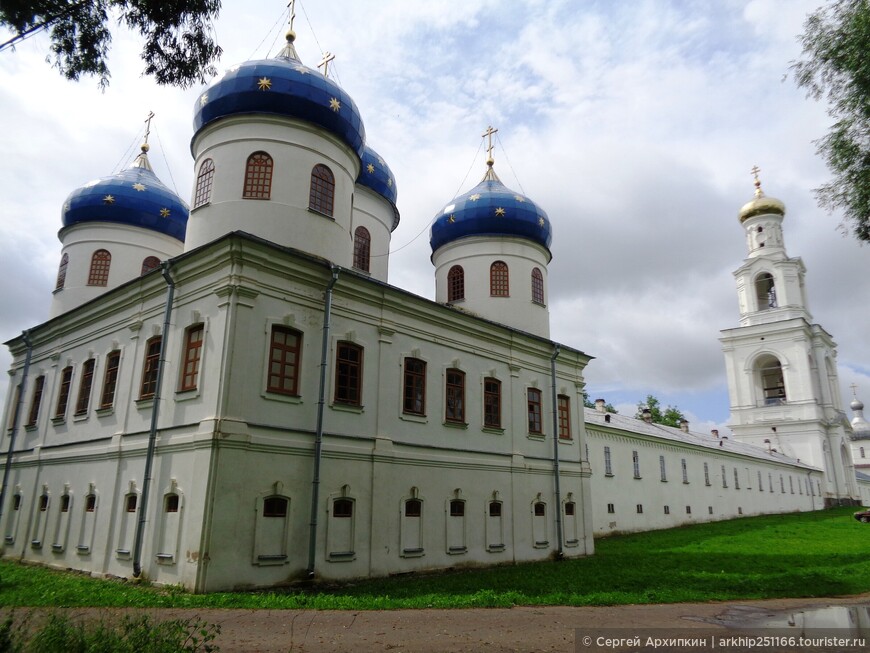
233 396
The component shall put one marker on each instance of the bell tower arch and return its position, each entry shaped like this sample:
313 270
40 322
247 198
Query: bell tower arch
781 368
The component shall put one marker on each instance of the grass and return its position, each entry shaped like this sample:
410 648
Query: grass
796 555
132 634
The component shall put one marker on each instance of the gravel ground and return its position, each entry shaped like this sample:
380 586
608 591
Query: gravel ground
521 629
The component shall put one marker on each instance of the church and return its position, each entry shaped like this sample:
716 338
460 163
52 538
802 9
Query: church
232 395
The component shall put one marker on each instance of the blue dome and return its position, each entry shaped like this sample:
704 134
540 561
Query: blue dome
133 197
376 174
491 209
284 87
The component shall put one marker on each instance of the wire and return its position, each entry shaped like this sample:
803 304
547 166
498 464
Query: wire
320 47
473 160
429 224
126 156
270 30
168 168
504 150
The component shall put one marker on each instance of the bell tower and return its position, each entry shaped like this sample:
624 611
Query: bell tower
781 368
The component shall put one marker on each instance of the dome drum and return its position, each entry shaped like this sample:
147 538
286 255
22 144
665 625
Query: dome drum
475 257
294 149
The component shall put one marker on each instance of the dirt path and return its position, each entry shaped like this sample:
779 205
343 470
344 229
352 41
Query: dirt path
522 630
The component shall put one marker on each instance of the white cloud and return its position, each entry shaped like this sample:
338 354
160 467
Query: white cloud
633 125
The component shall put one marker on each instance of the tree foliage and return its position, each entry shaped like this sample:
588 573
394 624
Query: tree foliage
670 416
179 47
588 403
836 67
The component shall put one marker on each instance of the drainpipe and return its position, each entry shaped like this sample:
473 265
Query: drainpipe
318 435
16 415
152 433
561 552
833 469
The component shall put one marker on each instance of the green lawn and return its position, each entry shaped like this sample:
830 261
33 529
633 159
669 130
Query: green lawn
797 555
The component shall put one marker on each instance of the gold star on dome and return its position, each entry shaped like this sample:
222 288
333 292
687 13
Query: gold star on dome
475 197
109 199
451 219
302 70
203 99
381 161
390 183
164 213
540 222
370 167
138 186
499 212
334 104
264 84
519 198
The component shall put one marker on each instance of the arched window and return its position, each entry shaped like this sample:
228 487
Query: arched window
765 291
455 284
61 272
498 280
342 508
275 507
537 286
258 177
771 380
204 182
150 263
322 194
413 508
100 263
362 245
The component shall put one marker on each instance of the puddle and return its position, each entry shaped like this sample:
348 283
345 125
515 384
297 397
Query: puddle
848 620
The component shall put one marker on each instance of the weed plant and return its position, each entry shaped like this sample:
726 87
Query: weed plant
797 555
134 634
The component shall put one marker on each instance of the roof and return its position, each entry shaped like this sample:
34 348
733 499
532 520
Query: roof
672 435
491 209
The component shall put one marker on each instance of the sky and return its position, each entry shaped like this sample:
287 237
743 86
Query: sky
633 124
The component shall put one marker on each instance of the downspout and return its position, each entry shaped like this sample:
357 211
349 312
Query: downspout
318 434
833 468
16 415
152 433
561 552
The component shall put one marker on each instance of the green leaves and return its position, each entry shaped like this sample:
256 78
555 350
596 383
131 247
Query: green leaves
179 47
836 68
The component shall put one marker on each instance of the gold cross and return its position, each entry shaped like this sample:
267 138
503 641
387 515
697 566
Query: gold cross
327 57
292 6
755 170
488 134
148 125
854 390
